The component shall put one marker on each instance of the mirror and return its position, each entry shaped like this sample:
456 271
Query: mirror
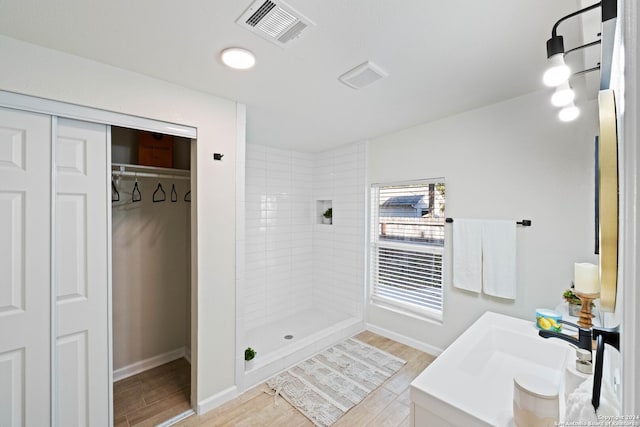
608 199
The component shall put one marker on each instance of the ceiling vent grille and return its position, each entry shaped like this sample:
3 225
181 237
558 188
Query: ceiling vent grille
362 75
260 13
275 21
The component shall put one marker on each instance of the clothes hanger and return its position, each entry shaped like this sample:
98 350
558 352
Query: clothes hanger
187 197
174 194
159 197
115 194
136 196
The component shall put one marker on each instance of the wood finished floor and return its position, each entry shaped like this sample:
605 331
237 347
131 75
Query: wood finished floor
386 406
152 396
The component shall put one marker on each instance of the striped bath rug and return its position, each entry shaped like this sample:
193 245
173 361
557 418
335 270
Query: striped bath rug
327 385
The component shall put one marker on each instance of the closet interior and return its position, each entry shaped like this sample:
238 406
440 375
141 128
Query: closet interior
151 266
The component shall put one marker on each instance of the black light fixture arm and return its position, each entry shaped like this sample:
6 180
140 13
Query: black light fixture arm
555 45
554 31
593 43
588 70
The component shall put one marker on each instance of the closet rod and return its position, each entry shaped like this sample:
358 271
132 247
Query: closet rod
141 171
149 175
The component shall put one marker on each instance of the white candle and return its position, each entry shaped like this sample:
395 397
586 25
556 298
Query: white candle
586 278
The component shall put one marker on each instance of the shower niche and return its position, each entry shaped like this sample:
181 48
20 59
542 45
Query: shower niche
324 212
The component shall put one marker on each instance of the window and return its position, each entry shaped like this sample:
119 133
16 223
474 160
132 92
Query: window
407 242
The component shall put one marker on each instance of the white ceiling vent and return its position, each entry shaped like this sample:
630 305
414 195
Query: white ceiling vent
362 75
274 20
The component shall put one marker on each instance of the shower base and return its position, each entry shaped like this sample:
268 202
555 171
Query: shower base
312 331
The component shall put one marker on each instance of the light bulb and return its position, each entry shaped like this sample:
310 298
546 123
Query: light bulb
563 95
240 59
558 72
569 113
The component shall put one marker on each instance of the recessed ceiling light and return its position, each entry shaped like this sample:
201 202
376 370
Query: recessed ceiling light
238 58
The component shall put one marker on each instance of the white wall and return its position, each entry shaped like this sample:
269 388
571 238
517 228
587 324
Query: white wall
339 175
46 73
278 236
508 160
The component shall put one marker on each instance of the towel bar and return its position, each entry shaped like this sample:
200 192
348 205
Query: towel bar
524 222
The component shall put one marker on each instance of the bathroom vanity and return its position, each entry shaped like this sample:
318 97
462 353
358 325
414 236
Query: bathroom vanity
471 382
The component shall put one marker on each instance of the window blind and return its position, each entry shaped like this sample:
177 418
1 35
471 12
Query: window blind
407 240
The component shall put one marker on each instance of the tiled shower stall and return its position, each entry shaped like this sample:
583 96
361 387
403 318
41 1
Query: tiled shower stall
300 282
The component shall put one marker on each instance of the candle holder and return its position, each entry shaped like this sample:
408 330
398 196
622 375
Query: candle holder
585 311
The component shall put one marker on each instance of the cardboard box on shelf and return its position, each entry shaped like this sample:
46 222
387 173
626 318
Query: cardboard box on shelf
155 149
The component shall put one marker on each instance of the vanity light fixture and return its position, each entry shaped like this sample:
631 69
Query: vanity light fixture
558 73
569 113
238 58
563 95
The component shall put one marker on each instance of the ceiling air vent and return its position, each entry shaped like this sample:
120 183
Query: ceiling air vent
275 21
362 75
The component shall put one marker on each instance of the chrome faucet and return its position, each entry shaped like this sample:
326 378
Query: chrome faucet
584 340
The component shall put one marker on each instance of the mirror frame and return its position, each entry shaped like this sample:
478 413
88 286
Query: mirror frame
608 199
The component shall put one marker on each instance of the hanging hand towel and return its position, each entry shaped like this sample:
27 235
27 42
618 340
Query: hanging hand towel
499 258
467 254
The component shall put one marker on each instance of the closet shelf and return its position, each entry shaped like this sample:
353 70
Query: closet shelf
139 171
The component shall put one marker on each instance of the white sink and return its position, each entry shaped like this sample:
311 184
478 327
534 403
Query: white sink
471 382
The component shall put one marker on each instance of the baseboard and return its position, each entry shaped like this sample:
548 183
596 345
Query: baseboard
427 348
146 364
187 354
217 399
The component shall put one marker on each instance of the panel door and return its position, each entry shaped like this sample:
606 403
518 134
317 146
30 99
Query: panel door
25 268
82 356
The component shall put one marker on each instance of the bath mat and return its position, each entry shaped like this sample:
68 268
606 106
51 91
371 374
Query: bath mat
326 386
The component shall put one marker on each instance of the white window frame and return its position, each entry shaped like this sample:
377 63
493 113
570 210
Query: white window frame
375 244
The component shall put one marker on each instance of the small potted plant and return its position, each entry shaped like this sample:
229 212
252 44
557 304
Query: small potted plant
249 355
327 216
574 302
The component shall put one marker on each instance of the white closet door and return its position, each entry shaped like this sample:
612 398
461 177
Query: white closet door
25 268
81 274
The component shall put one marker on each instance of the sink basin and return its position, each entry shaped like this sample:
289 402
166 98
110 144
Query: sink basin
471 382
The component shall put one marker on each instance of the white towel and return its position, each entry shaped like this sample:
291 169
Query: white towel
499 258
467 254
580 409
578 405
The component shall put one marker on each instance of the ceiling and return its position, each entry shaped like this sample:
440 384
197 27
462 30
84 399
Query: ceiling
442 57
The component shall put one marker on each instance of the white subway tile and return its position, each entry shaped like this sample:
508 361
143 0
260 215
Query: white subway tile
282 173
295 261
